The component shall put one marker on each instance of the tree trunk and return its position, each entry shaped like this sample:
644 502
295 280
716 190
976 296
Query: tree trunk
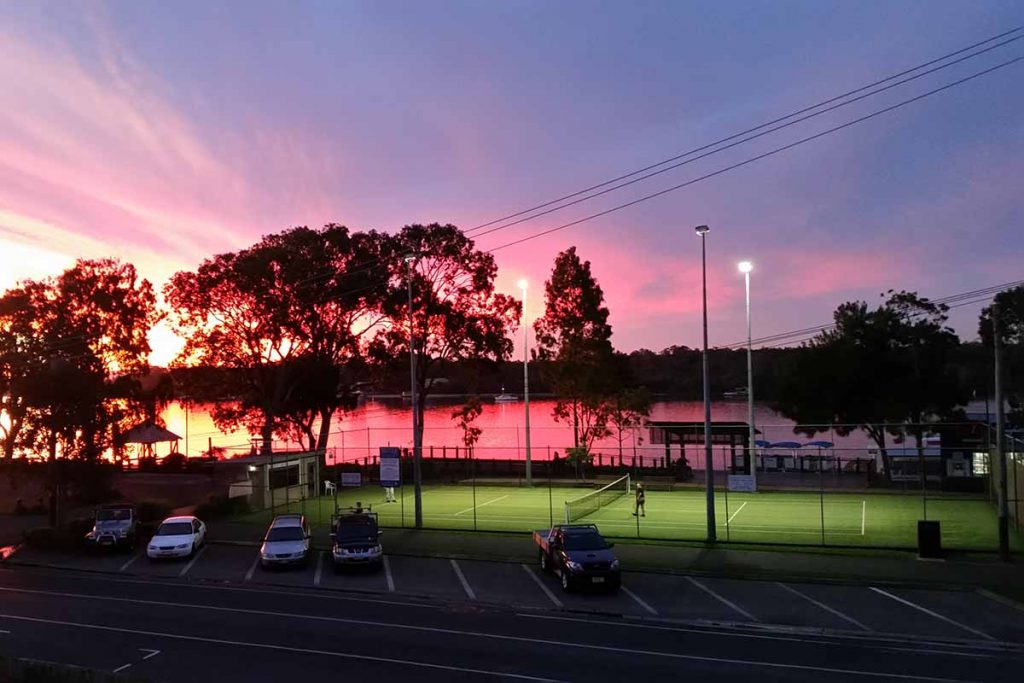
54 478
267 431
877 434
575 424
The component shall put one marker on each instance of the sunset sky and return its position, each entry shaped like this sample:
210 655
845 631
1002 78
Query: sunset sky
162 132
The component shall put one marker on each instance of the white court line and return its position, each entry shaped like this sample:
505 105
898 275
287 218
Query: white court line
388 575
721 599
639 600
929 612
462 579
319 568
547 591
128 563
469 634
737 512
830 610
470 509
252 568
863 515
281 648
184 570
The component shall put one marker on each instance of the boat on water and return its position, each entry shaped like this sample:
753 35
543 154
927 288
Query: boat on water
505 397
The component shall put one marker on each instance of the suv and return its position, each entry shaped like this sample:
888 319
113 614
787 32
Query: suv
355 539
114 526
286 542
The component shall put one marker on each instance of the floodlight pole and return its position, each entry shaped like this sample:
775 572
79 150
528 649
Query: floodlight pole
526 386
746 267
417 478
709 474
1003 509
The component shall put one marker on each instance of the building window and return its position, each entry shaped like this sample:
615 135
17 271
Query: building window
980 462
281 477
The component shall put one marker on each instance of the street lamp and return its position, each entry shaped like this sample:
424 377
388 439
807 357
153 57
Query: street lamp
745 267
709 474
526 384
410 262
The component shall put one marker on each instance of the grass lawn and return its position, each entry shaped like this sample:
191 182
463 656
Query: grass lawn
880 520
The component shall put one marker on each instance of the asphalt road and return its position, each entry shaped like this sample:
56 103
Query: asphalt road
166 630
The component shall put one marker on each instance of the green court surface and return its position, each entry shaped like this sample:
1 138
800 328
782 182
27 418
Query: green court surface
879 520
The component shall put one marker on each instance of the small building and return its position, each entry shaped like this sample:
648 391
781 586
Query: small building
732 438
271 480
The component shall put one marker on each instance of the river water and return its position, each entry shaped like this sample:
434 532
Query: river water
388 422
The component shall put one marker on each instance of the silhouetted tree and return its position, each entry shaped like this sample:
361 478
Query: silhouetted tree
1011 318
465 417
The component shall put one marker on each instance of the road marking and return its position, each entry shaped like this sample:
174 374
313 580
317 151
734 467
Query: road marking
1013 604
849 639
5 633
464 634
284 648
721 599
462 579
252 568
929 612
128 563
388 576
639 600
830 610
196 556
733 516
863 516
470 509
319 568
152 653
547 591
121 668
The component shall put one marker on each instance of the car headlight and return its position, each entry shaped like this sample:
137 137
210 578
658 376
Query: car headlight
573 566
378 549
182 546
615 564
152 547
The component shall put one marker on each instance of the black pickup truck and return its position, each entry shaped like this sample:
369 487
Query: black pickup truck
579 555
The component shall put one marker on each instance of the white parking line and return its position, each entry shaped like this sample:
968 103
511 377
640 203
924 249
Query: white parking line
128 563
929 612
252 568
470 509
124 667
388 576
196 556
721 599
319 568
462 579
830 610
863 516
733 516
4 633
639 600
547 591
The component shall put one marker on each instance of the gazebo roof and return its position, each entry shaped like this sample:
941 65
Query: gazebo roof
148 433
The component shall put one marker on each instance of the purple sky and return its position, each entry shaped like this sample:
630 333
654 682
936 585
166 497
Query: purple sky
164 132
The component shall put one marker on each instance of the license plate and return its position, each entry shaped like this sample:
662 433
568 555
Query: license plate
598 579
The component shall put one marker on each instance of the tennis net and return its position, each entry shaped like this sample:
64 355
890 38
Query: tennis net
595 500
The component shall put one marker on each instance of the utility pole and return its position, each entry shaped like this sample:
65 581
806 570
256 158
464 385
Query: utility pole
526 387
1004 513
417 440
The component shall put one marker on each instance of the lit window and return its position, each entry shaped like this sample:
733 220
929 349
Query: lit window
980 464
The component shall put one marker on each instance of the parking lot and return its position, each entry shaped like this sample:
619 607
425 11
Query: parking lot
899 611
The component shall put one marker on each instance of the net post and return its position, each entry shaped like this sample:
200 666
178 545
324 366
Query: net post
567 513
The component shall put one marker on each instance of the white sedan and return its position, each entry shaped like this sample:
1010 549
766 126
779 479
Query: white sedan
177 537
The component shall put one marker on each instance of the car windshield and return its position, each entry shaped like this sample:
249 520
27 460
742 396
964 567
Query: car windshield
174 529
585 542
113 515
285 533
354 531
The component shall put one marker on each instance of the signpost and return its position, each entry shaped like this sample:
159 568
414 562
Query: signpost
390 466
351 479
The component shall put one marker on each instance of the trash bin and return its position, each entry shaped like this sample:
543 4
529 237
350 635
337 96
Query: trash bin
929 539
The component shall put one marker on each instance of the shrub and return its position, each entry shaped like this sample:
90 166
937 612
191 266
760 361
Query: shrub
153 510
222 506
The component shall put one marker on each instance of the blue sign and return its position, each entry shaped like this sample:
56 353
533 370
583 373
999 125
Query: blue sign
390 466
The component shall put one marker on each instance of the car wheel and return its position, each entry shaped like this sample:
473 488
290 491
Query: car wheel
544 562
192 551
566 584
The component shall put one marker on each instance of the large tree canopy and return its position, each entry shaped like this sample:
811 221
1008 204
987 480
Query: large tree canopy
885 370
291 314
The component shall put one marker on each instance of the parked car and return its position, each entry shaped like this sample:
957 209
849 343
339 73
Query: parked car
286 542
177 537
114 526
355 539
579 555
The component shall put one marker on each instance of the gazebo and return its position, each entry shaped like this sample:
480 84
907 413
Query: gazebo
148 434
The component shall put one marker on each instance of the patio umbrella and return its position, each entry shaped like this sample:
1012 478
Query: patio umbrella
786 444
761 443
820 444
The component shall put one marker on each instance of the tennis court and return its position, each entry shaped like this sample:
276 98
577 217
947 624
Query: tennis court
802 518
